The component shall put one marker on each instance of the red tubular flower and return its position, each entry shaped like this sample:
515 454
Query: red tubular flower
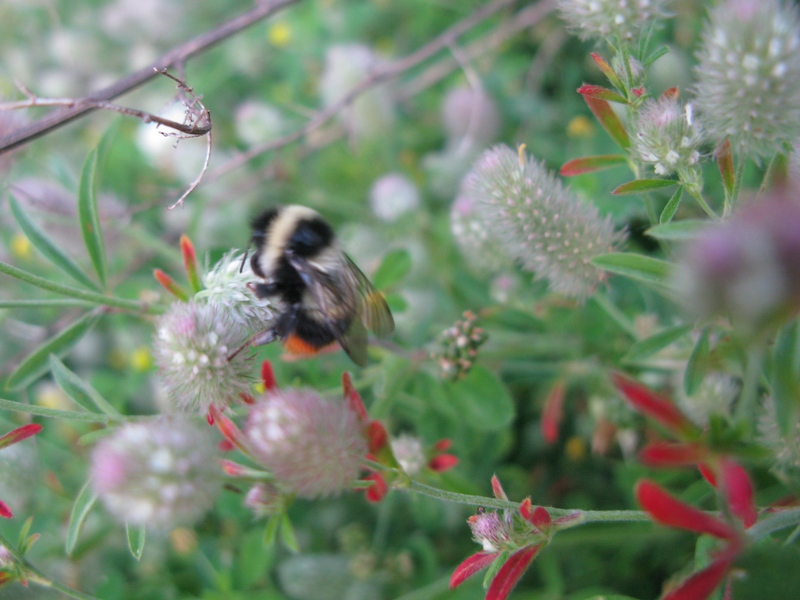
553 412
670 454
469 567
379 488
443 462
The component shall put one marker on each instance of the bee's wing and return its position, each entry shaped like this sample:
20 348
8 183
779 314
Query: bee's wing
373 308
342 292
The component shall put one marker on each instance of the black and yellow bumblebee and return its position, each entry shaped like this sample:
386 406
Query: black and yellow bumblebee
324 298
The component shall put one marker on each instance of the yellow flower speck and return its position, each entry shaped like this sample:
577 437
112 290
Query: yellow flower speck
575 448
141 359
580 127
279 34
20 246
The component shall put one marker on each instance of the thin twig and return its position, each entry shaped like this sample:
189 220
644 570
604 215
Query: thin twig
380 75
198 179
176 56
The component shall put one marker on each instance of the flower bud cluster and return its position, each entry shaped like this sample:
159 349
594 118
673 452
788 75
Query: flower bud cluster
457 347
666 136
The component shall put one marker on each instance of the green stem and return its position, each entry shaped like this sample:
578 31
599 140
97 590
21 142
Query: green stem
66 290
34 574
587 516
703 204
730 204
774 522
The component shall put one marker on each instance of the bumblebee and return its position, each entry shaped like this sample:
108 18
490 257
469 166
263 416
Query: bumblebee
324 297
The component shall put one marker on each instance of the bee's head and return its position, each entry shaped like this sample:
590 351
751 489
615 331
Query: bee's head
310 237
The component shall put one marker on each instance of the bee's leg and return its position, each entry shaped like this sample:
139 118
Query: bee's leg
259 339
263 290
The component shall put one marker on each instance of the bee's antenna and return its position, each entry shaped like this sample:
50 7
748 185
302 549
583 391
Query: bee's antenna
244 258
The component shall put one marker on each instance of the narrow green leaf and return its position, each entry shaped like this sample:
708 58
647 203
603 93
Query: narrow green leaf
55 303
640 186
80 510
42 242
287 534
52 413
23 535
271 530
695 367
635 266
671 207
78 293
655 55
608 71
136 537
396 265
89 217
601 93
785 384
79 390
679 230
656 342
609 120
37 362
590 164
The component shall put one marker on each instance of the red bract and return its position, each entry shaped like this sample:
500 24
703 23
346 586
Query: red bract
653 405
553 411
668 510
670 454
469 567
12 437
510 573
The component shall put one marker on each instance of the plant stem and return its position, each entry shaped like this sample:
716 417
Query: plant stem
773 522
588 516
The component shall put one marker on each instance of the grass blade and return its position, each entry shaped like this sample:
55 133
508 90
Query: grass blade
89 218
136 537
80 510
52 413
79 390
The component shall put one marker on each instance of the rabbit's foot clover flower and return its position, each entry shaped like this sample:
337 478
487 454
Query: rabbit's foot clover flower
748 75
192 347
161 473
603 19
541 223
226 284
314 447
668 139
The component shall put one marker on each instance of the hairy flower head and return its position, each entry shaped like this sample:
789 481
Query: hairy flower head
226 284
539 222
666 137
192 346
392 196
161 473
314 447
604 19
748 75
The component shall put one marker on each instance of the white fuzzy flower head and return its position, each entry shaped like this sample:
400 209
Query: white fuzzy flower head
539 222
611 19
470 116
748 75
227 287
392 196
482 251
162 473
492 531
314 447
192 345
666 138
372 113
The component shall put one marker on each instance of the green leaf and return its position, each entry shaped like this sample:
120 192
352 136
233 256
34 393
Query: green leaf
271 530
45 245
602 93
482 399
608 71
79 390
785 384
695 367
653 57
640 186
37 362
287 534
679 230
89 218
636 266
724 154
136 537
80 510
769 570
22 540
671 207
54 303
396 265
52 413
655 343
590 164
